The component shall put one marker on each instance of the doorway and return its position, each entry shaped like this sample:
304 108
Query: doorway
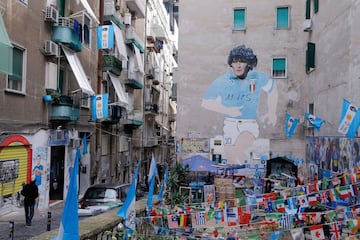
57 173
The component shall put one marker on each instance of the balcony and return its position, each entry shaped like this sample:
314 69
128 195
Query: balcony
63 109
151 141
67 32
134 80
137 7
151 108
111 64
115 113
131 37
133 121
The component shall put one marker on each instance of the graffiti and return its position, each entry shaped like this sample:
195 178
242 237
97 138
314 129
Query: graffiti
9 170
195 145
236 94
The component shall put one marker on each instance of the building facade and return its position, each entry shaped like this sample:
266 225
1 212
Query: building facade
75 77
284 36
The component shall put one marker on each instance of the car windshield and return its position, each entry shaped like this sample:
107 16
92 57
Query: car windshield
100 193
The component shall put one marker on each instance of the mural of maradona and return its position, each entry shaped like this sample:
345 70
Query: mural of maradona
236 94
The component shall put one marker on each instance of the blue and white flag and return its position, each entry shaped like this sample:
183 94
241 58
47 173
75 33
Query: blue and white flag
84 144
349 119
151 180
105 36
69 226
100 106
276 235
128 210
314 121
163 185
290 125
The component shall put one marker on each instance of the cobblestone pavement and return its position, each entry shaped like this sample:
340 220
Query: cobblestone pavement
39 222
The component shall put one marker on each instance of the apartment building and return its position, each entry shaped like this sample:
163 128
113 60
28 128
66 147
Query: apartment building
284 36
77 75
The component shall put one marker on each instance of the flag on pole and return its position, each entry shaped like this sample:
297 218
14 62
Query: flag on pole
151 180
314 121
128 210
84 143
349 119
290 125
69 225
163 185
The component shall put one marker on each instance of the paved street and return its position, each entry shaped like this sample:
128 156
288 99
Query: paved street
39 223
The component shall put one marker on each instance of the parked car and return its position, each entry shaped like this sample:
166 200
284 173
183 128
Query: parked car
101 197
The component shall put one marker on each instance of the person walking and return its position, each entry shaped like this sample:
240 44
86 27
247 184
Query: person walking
31 193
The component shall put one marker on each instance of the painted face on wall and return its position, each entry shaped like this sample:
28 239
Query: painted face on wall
240 68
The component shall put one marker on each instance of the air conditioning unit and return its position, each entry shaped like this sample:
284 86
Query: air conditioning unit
51 14
127 19
51 48
307 25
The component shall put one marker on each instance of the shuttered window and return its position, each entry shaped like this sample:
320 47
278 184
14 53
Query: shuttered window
279 67
282 17
239 19
310 57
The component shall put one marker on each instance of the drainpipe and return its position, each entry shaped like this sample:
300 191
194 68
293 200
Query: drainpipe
98 85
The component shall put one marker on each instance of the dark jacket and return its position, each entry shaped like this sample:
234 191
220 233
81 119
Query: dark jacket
30 192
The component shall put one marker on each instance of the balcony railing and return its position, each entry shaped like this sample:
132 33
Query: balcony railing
133 38
67 32
112 64
64 109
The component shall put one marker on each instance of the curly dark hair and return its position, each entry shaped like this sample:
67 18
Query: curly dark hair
244 54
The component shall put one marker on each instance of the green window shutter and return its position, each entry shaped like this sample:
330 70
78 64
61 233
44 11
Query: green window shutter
61 7
17 65
282 18
310 57
239 19
316 6
308 8
279 64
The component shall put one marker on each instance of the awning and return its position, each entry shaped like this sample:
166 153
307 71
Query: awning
78 71
139 60
122 95
120 42
89 10
6 50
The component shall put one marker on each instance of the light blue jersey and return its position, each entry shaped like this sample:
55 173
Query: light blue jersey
235 92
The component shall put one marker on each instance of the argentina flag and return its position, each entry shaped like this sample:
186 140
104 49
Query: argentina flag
290 125
349 119
99 106
69 225
314 121
128 209
105 36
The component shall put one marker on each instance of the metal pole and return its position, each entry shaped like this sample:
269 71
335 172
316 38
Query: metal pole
11 230
48 226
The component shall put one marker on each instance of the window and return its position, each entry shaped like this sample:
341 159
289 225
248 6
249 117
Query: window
239 19
279 68
310 57
85 100
86 33
308 8
282 17
16 81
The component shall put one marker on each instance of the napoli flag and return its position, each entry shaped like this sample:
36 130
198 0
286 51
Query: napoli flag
314 121
128 209
84 144
349 119
105 36
290 125
151 180
69 226
163 185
